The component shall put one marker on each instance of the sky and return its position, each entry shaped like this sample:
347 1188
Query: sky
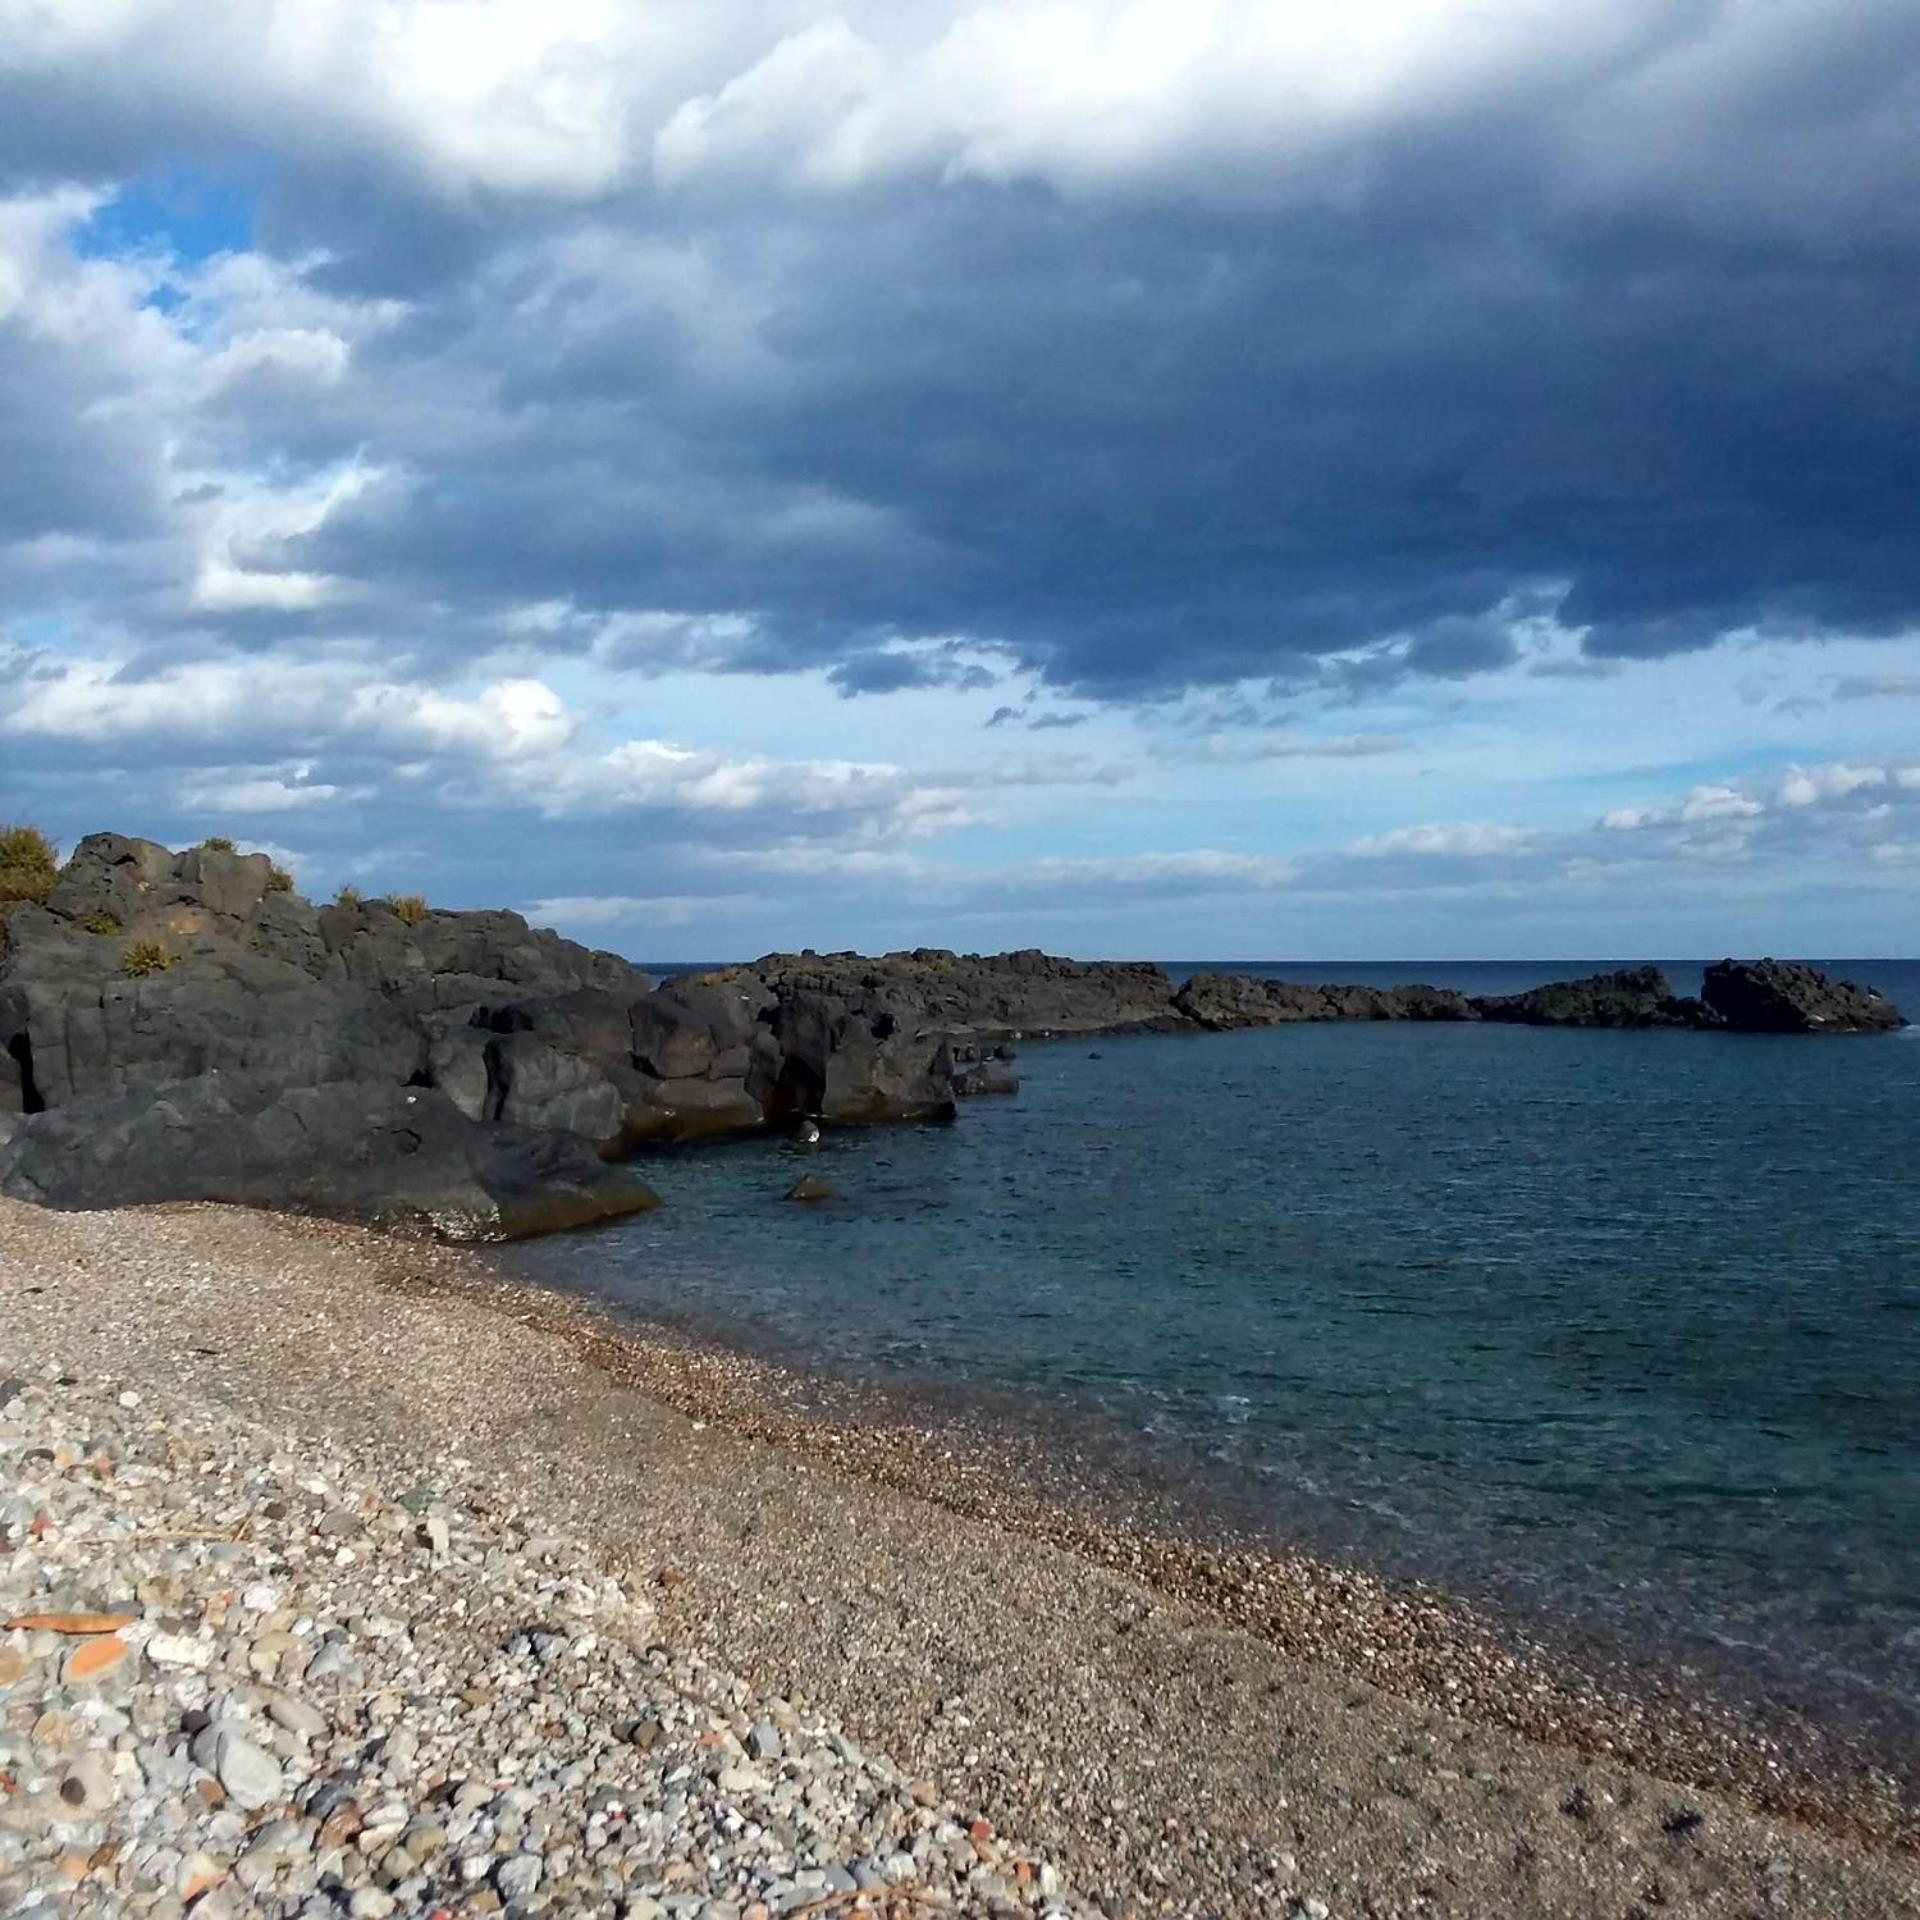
1163 478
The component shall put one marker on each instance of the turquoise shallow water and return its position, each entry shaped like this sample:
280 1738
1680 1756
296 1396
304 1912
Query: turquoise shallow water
1621 1328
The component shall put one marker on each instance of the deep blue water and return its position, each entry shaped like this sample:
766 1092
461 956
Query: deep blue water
1623 1327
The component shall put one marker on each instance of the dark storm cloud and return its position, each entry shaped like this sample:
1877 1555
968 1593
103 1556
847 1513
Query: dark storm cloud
1291 438
1141 439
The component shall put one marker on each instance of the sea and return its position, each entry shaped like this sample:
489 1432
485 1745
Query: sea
1617 1332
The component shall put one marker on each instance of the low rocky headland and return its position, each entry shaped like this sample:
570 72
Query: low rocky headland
185 1026
341 1578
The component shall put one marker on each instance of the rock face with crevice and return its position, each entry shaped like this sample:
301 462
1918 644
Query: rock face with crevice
462 1072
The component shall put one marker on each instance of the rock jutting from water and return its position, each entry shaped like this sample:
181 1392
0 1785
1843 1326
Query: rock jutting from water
187 1027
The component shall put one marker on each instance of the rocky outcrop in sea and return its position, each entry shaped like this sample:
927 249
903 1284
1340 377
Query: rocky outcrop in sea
185 1026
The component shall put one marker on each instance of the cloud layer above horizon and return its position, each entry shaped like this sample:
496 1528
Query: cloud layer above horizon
1421 477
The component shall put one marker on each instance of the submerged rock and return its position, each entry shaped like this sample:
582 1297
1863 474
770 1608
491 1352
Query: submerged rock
810 1190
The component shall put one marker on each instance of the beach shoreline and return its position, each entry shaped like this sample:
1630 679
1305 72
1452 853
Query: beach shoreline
1170 1718
1415 1639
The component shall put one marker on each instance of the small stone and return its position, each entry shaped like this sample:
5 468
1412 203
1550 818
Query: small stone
198 1874
304 1722
252 1778
87 1787
178 1650
518 1876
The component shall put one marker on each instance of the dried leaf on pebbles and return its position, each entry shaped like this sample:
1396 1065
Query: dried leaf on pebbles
75 1623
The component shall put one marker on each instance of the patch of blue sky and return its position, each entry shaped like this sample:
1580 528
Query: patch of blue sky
188 212
48 632
184 215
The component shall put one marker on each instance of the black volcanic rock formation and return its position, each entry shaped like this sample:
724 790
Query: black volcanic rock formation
178 1026
1787 996
186 1027
1633 997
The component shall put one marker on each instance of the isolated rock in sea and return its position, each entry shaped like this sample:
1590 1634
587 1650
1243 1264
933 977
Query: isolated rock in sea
1787 996
985 1077
810 1190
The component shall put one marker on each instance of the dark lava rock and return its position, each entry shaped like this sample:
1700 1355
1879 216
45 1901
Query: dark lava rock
385 1156
178 1027
978 1069
999 995
463 1071
1221 1002
1787 996
984 1077
1633 997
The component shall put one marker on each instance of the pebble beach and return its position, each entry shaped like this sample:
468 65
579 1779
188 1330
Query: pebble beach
339 1577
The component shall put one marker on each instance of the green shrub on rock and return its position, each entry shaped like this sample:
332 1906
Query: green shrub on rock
409 908
145 957
279 880
102 922
347 897
28 865
28 868
216 843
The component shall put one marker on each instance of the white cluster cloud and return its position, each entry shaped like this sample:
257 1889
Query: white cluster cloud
577 99
512 741
1798 788
1445 840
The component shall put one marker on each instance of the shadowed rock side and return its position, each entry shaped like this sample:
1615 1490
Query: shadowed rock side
186 1027
173 1026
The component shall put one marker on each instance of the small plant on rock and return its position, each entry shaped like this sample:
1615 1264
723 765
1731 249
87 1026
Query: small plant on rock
28 865
409 908
347 897
279 880
28 869
102 922
216 843
145 957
